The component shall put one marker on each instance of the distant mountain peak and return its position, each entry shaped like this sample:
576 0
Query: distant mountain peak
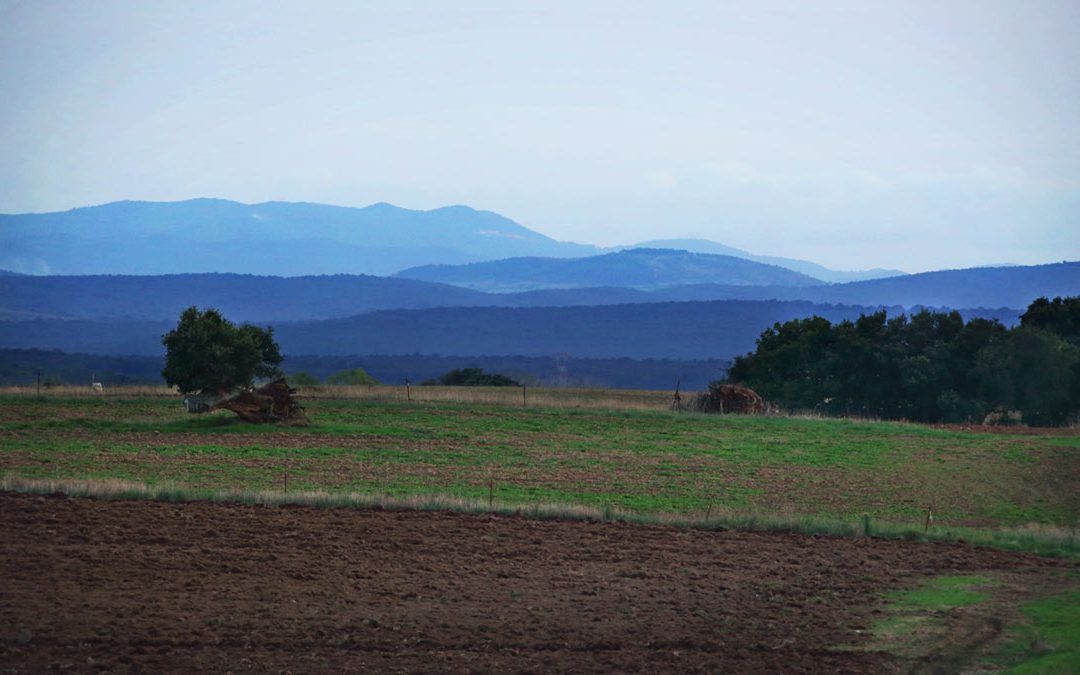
807 267
648 251
274 237
460 208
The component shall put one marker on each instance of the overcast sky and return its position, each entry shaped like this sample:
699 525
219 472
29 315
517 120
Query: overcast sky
913 135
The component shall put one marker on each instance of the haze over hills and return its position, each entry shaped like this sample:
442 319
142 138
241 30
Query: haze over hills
1013 287
683 330
294 239
804 266
284 238
671 330
640 268
635 270
629 304
238 296
254 298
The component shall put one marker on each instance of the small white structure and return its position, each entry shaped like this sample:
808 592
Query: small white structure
200 403
97 386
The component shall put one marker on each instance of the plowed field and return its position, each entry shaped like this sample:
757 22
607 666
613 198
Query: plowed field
93 585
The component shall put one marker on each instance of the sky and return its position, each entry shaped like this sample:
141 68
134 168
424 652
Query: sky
913 134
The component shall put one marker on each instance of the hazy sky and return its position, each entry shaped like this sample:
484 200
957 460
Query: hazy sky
907 134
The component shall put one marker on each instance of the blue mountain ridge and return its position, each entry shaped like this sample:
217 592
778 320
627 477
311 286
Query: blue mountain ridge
293 239
266 298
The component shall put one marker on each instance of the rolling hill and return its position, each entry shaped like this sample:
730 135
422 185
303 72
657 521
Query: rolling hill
640 269
1013 286
259 298
803 266
672 330
294 239
240 297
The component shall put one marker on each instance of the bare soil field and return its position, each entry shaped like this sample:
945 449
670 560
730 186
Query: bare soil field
125 586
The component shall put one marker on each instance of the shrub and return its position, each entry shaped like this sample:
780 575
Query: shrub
473 377
303 379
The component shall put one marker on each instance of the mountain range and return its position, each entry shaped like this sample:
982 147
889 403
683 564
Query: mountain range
283 238
466 284
806 267
287 239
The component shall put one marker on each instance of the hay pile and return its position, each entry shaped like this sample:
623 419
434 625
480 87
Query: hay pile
729 398
273 402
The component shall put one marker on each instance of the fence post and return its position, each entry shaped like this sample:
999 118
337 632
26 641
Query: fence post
408 391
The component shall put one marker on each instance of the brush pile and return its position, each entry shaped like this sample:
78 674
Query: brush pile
729 398
272 402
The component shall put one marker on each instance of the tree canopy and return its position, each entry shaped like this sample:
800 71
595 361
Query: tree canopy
206 353
930 367
355 377
473 377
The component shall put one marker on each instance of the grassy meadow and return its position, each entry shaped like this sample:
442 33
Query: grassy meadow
594 448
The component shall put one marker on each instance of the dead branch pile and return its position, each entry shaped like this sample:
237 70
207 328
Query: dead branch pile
273 402
729 398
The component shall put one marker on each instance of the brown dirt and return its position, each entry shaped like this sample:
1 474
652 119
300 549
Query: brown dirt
95 585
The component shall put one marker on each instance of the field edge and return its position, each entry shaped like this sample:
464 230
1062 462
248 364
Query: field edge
1041 540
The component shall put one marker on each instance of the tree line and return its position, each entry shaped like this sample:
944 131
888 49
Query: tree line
929 367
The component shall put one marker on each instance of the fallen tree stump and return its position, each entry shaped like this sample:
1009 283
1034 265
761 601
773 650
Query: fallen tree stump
729 398
272 402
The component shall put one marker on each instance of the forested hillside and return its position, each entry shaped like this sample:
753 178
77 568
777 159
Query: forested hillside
684 330
275 298
804 266
240 297
640 268
22 367
1013 287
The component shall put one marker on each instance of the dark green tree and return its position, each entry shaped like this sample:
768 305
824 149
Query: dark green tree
930 367
1060 316
206 353
1033 371
473 377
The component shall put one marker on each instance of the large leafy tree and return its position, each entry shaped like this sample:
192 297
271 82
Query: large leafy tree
1060 316
206 353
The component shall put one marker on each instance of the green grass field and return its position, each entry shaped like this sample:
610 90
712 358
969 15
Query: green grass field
1040 635
630 459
